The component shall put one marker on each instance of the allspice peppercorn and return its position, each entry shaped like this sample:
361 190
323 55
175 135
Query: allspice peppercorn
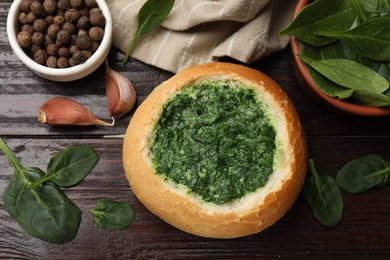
83 42
96 33
24 39
77 4
60 33
52 30
83 23
90 3
62 62
51 62
50 6
52 49
72 15
38 38
25 6
63 37
64 5
37 8
59 20
97 18
40 56
40 25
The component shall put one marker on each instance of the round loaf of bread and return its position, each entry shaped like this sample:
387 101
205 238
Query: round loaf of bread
175 173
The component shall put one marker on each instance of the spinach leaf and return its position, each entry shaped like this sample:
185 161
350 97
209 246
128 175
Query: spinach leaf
321 15
364 173
324 197
324 84
150 16
374 8
112 214
69 166
370 99
370 39
45 212
349 74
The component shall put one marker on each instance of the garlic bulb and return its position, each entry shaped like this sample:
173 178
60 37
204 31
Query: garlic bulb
121 95
65 111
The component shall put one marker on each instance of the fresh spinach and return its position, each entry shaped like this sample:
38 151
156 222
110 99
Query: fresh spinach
45 212
113 214
371 39
150 16
69 166
349 74
361 35
364 173
324 197
321 15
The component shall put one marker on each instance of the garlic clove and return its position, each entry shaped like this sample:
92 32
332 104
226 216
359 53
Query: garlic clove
121 95
65 111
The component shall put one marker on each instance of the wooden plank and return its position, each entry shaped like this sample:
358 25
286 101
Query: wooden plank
363 232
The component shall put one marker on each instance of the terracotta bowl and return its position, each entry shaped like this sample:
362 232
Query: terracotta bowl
333 104
60 74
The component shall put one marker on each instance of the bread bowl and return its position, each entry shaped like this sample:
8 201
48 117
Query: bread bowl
179 173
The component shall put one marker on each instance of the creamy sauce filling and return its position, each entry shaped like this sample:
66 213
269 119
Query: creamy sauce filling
216 139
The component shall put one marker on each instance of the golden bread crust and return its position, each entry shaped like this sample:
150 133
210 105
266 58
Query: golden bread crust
248 216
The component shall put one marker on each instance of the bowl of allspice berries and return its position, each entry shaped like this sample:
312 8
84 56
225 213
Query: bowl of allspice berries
60 40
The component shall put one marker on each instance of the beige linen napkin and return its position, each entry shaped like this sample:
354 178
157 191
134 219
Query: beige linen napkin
201 31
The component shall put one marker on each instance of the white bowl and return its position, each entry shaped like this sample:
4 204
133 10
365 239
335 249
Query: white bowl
60 74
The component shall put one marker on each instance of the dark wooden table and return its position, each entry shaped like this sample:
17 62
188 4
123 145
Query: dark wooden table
333 140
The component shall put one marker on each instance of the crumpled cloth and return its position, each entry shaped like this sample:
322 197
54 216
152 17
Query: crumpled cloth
201 31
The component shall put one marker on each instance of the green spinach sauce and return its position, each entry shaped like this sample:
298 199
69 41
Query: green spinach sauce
215 138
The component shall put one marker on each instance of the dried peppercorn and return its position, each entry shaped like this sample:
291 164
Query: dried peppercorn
72 15
40 56
52 30
63 37
52 49
31 17
34 48
27 28
79 57
24 39
90 3
73 48
38 38
23 18
64 4
50 6
25 6
97 18
62 62
48 40
83 42
59 20
94 45
83 23
77 4
37 8
40 25
64 52
51 62
96 33
70 27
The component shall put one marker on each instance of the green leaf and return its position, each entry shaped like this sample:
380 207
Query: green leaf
349 74
321 15
324 197
324 84
45 212
113 214
150 16
370 39
69 166
364 173
370 99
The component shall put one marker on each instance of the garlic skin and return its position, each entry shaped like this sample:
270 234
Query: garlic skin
65 111
121 95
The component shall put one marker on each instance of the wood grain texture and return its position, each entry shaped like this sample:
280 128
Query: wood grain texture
333 140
